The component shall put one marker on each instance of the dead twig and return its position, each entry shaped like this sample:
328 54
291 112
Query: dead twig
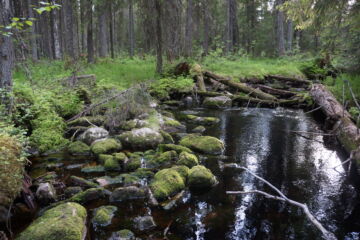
326 234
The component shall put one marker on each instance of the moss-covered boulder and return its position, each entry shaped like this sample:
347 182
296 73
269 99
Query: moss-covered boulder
201 120
166 183
133 163
141 139
78 148
167 137
201 177
103 216
203 144
128 193
112 164
124 234
183 171
93 134
89 195
63 222
165 158
177 148
104 146
188 159
93 169
86 121
217 102
199 129
81 182
171 125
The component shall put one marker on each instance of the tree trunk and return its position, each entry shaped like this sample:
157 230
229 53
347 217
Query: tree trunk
69 27
34 52
280 29
229 32
131 29
159 45
90 37
189 28
56 33
103 44
112 52
207 19
6 55
290 33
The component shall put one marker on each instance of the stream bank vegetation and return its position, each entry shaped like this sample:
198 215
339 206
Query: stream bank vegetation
106 81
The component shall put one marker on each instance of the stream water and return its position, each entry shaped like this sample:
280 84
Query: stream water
269 143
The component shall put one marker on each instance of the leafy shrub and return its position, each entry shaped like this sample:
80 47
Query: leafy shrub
164 87
312 70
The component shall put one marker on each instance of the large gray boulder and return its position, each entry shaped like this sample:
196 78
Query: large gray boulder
46 193
141 139
93 134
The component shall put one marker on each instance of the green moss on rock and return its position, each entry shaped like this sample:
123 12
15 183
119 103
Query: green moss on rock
203 144
161 159
166 183
93 169
123 235
78 148
88 195
143 138
112 164
63 222
178 148
188 159
133 163
103 216
106 146
167 137
201 177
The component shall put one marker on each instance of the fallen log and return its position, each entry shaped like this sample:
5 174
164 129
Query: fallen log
275 91
241 87
198 75
250 101
210 94
289 80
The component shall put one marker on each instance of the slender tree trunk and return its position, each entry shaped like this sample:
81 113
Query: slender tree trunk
290 33
111 31
131 29
189 28
90 37
103 44
6 55
207 20
280 29
69 28
229 32
34 52
56 33
159 45
83 25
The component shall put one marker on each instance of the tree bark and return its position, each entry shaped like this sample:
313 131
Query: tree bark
280 29
69 29
34 52
290 33
6 55
159 44
189 29
102 20
90 37
112 51
131 29
56 33
207 20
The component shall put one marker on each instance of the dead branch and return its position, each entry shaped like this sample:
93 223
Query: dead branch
290 80
326 234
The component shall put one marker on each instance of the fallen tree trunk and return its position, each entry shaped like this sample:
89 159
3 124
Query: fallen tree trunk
250 101
344 128
210 94
290 80
274 91
241 87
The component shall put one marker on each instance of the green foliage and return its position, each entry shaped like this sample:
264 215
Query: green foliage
336 87
312 70
164 87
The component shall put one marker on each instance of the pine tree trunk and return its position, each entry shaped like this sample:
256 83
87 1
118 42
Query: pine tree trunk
111 20
6 55
189 28
131 29
229 32
69 27
280 29
206 27
290 33
103 44
56 33
34 52
90 37
159 45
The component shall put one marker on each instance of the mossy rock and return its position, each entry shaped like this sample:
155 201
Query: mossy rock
133 163
106 146
165 158
130 179
217 102
63 222
102 158
120 157
188 159
103 216
183 171
201 120
124 234
201 177
112 164
144 173
199 129
93 169
141 139
85 121
88 195
78 181
203 144
177 148
128 193
166 183
167 137
78 148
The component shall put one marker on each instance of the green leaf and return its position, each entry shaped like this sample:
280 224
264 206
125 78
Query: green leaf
30 23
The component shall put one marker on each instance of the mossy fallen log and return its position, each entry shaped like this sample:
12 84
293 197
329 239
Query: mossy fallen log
274 91
241 87
250 101
289 80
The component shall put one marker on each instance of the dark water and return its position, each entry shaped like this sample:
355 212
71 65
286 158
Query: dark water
263 141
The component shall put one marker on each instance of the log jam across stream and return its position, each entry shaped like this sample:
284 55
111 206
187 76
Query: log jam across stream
270 143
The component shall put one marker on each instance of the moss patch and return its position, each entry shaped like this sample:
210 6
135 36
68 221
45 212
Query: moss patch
177 148
78 148
188 159
64 222
203 144
201 177
106 146
103 216
166 183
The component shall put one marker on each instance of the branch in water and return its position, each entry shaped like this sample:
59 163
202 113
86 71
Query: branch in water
326 234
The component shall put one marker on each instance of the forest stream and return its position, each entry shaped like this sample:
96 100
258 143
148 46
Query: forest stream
269 143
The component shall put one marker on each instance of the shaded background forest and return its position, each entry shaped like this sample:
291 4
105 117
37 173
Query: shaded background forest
192 28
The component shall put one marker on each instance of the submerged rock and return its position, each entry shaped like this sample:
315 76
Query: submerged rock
217 102
103 216
123 235
128 193
177 148
173 126
104 146
63 222
71 191
93 134
203 144
46 193
165 158
141 139
93 169
199 129
88 195
78 148
188 159
144 223
201 177
166 183
78 181
201 120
